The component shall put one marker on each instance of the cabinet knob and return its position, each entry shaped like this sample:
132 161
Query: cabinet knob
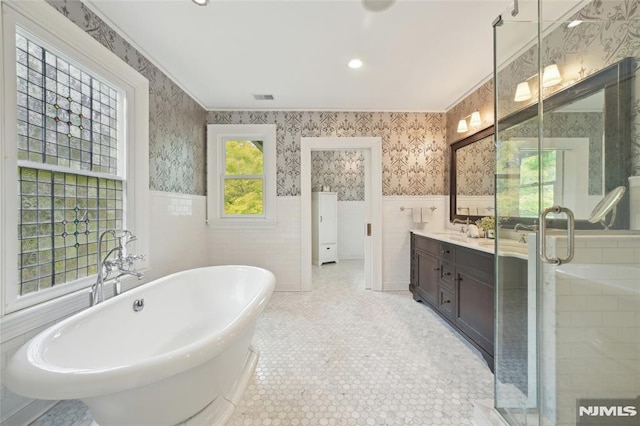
445 251
436 269
448 273
446 301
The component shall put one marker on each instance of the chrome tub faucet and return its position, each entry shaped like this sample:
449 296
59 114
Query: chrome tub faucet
121 264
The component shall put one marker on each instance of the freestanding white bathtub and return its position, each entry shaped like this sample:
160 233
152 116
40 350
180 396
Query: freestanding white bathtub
178 360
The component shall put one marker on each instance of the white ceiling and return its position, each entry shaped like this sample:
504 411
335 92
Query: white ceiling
418 55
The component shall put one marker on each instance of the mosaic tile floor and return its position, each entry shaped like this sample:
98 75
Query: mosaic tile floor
342 355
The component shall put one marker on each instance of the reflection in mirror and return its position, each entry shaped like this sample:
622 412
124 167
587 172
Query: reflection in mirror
583 153
472 168
573 138
608 204
474 176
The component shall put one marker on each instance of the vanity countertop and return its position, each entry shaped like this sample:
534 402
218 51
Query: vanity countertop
509 248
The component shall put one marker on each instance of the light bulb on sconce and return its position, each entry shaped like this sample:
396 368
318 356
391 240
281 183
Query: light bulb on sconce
474 122
523 92
550 77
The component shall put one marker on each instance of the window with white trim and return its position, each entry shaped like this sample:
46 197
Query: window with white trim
69 123
241 175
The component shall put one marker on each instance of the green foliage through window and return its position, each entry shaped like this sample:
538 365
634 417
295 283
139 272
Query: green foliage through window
244 178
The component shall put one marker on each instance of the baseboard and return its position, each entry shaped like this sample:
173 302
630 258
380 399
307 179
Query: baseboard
29 413
288 286
395 286
484 414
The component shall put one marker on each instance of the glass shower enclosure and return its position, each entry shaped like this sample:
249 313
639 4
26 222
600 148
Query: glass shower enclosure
567 134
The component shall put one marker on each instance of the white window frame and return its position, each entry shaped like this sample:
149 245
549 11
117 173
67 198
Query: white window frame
64 37
217 135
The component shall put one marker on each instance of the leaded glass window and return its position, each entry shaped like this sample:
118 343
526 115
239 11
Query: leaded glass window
66 117
68 146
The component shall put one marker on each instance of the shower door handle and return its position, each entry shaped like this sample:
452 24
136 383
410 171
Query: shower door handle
571 226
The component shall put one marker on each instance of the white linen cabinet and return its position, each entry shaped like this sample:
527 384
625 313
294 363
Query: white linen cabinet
324 234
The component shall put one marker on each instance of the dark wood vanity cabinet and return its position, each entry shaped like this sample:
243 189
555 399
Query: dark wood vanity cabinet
458 284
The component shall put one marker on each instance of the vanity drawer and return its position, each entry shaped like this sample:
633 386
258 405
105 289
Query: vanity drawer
428 245
482 264
446 275
447 252
445 302
435 247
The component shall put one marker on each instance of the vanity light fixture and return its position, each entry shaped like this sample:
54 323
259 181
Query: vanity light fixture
550 77
474 122
355 63
201 2
523 92
574 23
462 125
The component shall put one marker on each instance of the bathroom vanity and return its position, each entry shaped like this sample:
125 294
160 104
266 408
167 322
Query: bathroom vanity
455 277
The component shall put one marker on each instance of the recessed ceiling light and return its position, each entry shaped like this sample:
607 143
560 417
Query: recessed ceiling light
574 23
355 63
377 5
201 2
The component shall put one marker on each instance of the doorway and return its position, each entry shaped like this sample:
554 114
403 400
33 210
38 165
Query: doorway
372 227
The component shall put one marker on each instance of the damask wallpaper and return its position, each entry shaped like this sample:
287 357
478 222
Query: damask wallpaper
609 33
480 100
413 144
343 171
177 123
475 165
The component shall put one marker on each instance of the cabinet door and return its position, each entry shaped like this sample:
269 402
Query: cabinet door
474 309
328 222
428 275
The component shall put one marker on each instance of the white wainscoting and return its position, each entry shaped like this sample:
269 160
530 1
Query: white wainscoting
178 241
351 229
277 250
179 232
396 241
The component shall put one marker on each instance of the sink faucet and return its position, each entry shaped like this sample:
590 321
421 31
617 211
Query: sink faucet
466 222
122 263
533 227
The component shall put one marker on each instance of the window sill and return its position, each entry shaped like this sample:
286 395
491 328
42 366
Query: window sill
242 223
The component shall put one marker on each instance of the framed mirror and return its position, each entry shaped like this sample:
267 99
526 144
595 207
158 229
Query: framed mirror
471 180
587 149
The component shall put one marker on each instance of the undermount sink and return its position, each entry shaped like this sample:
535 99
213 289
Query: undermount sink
452 235
486 243
513 246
